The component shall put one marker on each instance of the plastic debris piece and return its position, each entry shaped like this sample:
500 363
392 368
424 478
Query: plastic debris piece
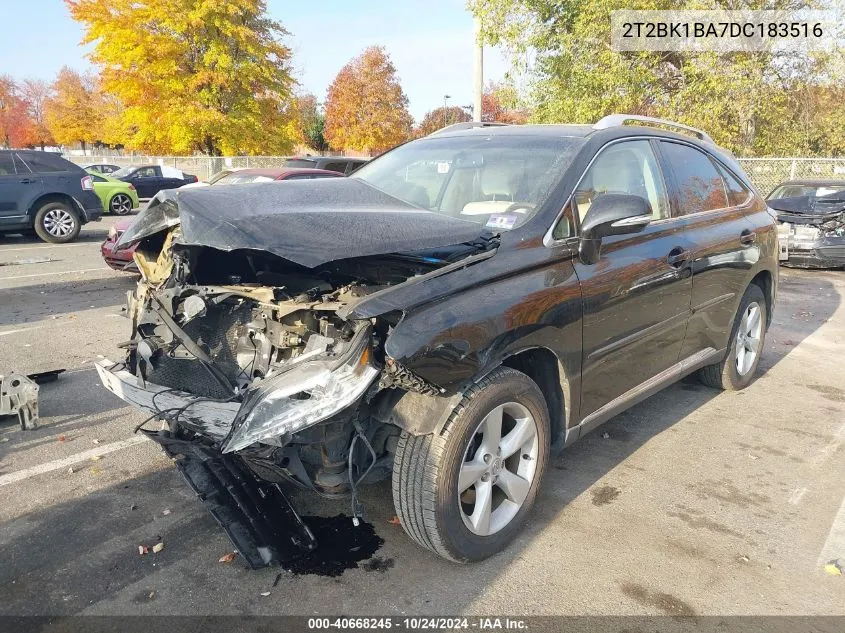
395 520
96 441
158 547
605 436
833 568
227 558
70 470
265 593
166 511
143 549
4 439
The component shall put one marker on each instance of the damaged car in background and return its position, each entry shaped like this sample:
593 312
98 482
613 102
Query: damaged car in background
811 222
448 316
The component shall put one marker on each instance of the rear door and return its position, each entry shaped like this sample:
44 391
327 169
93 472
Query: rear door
637 295
12 190
711 206
147 181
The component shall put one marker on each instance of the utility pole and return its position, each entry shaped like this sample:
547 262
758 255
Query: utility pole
446 110
479 72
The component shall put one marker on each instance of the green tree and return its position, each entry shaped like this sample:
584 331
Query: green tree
312 123
194 75
744 100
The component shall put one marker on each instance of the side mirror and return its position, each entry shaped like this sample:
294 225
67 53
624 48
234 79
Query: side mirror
611 214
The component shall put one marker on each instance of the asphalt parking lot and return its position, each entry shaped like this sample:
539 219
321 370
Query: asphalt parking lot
694 502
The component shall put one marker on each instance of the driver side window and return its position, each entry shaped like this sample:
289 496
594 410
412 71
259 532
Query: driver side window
629 167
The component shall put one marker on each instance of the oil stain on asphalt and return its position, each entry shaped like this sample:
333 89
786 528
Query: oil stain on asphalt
340 546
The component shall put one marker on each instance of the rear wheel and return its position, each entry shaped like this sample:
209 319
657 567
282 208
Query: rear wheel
120 204
465 493
57 222
739 367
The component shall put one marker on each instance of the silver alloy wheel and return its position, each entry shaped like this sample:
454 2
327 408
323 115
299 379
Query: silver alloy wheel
748 338
498 469
58 222
121 204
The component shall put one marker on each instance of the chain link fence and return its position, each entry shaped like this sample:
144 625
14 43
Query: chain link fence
765 173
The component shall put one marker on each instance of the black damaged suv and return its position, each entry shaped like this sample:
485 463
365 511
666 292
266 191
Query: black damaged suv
44 193
448 316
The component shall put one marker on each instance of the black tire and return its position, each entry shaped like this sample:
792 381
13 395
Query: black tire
725 375
426 469
69 220
120 204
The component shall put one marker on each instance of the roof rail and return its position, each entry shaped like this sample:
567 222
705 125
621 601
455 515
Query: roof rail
618 120
467 125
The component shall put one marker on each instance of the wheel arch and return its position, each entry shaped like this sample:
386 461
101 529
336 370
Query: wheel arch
766 282
47 198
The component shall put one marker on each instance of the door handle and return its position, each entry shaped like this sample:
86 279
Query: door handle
747 237
26 181
677 256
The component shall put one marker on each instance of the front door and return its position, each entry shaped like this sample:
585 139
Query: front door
637 295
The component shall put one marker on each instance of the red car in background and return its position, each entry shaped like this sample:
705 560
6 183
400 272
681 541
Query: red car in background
122 259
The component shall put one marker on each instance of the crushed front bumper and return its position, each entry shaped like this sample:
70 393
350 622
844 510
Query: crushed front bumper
803 246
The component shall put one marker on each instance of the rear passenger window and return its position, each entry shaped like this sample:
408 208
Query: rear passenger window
700 187
341 167
738 194
45 163
7 165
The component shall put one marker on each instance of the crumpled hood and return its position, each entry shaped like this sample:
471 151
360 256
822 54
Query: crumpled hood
308 222
808 209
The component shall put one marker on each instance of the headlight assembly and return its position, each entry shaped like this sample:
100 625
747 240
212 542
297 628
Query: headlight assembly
306 394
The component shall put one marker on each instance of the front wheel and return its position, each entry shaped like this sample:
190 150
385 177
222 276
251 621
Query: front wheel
57 222
738 368
465 493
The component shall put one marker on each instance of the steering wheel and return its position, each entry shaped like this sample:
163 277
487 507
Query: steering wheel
520 207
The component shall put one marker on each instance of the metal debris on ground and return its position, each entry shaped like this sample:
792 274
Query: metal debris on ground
19 396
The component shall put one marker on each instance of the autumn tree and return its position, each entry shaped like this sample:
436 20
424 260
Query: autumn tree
73 114
311 122
441 117
366 109
745 100
14 121
500 103
207 76
36 93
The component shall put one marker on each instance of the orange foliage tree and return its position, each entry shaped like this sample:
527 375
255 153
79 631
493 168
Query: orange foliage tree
74 113
366 109
14 122
441 117
35 94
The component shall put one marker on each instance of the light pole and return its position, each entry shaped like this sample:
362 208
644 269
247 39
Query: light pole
446 110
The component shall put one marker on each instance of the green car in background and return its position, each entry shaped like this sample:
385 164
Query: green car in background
118 197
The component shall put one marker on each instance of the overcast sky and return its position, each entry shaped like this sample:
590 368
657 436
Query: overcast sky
430 42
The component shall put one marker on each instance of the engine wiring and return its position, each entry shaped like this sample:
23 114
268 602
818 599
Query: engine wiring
357 507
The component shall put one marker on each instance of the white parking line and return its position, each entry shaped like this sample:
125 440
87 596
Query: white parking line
834 546
26 473
42 247
23 329
53 274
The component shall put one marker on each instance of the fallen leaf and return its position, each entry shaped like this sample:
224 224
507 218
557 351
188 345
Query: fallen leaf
227 558
143 549
833 568
265 593
158 547
61 438
96 458
95 470
395 520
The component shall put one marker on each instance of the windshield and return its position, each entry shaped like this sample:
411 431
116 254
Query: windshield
122 172
796 191
238 178
498 181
